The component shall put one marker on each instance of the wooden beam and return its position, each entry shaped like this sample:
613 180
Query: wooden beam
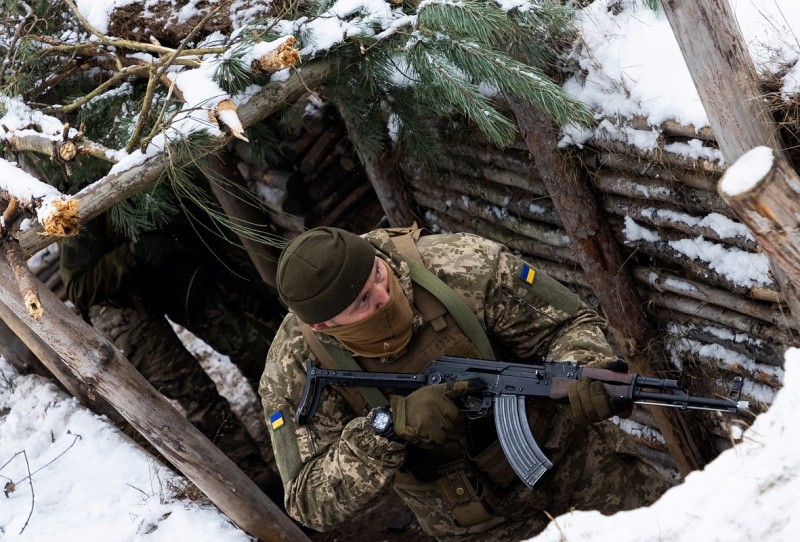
727 83
103 370
611 281
384 175
764 190
119 185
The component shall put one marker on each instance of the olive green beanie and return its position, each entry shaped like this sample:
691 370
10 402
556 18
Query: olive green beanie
322 271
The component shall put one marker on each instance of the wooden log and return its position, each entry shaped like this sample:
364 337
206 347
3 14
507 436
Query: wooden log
696 178
727 317
27 283
669 127
727 83
659 156
695 327
249 220
700 270
334 160
664 281
764 190
516 201
327 182
324 145
386 179
121 184
656 190
94 360
294 149
509 160
760 395
329 218
491 213
723 73
675 218
604 267
492 173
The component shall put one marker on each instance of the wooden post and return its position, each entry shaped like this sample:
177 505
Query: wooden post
612 283
384 175
727 83
233 198
103 369
764 191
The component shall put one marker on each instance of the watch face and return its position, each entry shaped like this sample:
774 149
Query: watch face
381 420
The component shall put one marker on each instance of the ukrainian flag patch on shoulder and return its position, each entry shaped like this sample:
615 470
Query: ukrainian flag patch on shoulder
276 420
527 273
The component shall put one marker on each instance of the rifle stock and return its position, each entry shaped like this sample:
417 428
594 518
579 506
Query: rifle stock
505 388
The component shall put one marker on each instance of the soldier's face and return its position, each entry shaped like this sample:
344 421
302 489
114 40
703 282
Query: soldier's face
372 297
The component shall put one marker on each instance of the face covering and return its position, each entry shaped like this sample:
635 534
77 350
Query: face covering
386 332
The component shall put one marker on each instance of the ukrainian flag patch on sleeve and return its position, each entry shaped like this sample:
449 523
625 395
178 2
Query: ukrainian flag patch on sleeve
276 420
527 273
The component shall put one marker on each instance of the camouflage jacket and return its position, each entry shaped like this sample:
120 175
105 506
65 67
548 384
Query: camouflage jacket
336 466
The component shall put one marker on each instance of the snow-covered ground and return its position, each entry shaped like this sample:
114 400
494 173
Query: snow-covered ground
78 478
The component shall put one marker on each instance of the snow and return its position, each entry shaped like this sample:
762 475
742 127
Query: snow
747 493
749 170
91 482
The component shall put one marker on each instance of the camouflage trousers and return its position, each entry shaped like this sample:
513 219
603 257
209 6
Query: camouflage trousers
153 348
608 476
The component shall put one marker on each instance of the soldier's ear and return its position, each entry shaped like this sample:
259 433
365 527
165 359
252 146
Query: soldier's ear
322 326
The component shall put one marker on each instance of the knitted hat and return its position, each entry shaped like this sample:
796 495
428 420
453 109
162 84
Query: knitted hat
322 271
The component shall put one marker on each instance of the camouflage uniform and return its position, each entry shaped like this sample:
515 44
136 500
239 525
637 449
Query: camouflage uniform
336 466
129 302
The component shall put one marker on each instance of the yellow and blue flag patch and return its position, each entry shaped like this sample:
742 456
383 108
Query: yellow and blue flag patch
527 273
276 420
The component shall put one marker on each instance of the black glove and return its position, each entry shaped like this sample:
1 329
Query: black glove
590 402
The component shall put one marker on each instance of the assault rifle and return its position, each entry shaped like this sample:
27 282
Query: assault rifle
505 387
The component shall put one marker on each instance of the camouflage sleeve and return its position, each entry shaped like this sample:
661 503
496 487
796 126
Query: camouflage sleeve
525 312
93 269
334 466
537 317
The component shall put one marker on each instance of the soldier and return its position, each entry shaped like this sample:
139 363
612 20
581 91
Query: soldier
363 299
128 289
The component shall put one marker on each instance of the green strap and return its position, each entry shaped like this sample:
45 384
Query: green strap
346 362
455 304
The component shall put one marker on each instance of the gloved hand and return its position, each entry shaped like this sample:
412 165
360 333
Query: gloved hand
590 402
429 415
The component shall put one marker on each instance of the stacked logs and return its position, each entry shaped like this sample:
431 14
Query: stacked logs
706 318
319 180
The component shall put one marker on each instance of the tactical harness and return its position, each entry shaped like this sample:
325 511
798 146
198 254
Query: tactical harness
450 328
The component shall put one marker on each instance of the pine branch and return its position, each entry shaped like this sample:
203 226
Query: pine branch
118 185
442 79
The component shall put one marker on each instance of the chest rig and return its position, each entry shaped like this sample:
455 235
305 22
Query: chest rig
461 471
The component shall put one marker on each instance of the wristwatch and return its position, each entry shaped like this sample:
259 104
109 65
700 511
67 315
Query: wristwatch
382 423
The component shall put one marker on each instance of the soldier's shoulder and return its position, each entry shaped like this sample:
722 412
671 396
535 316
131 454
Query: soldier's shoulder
287 351
447 246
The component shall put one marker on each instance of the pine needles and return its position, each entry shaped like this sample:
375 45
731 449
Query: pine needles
456 60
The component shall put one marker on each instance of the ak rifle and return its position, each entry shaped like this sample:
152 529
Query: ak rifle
505 387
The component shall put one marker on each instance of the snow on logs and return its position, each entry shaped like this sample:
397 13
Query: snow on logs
764 191
27 197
